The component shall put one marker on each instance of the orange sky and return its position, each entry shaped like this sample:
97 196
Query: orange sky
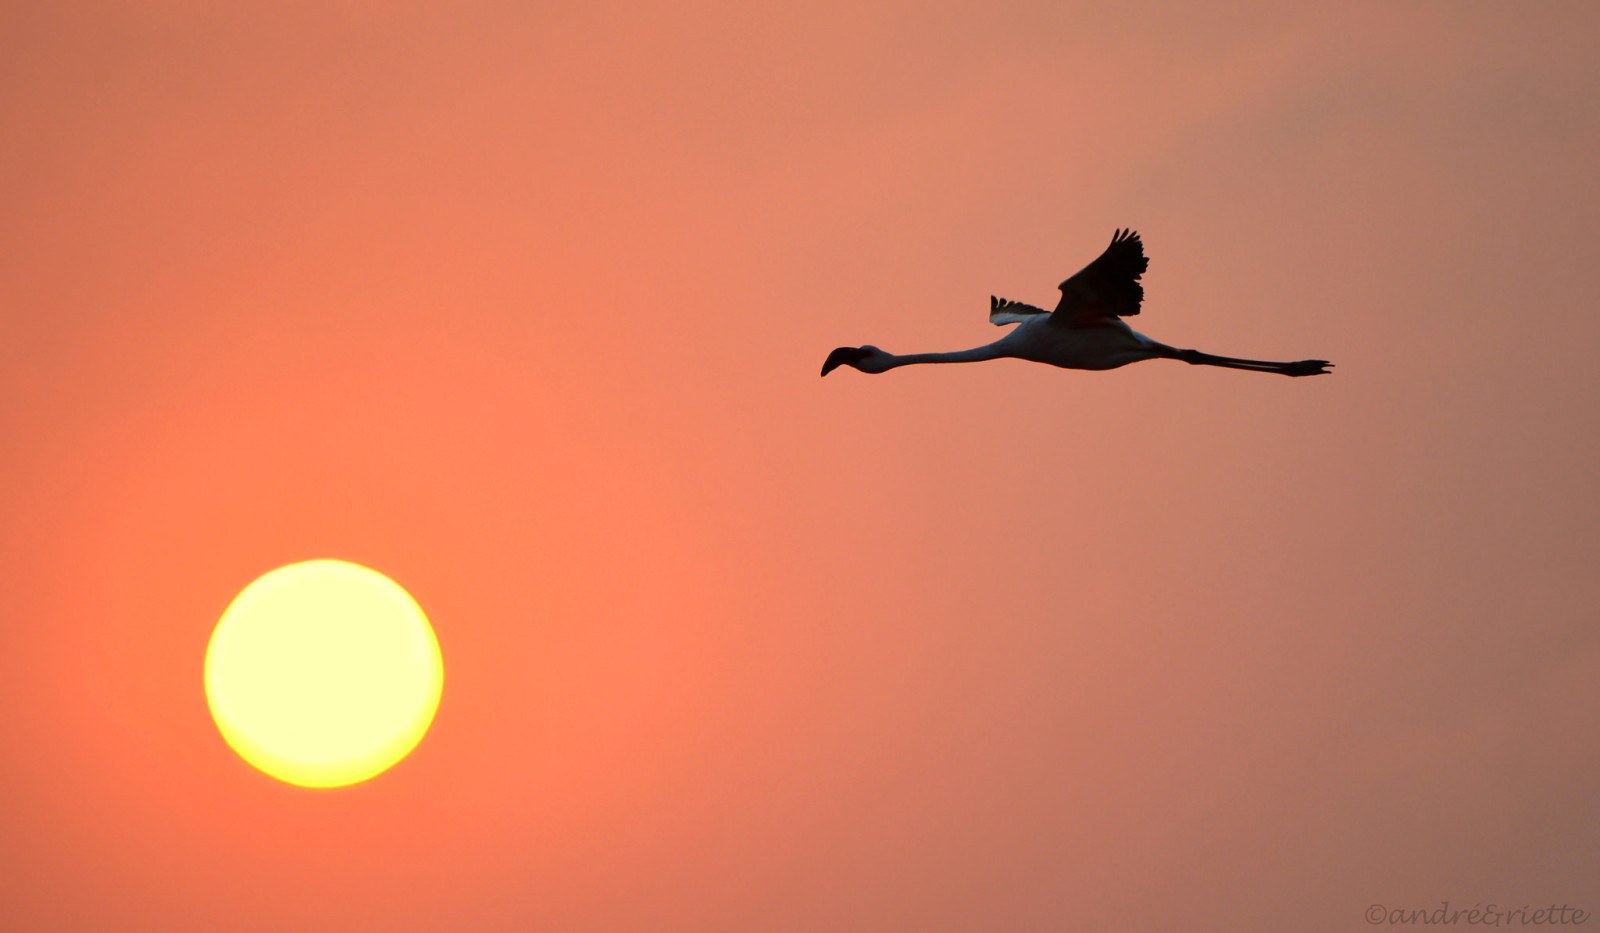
524 307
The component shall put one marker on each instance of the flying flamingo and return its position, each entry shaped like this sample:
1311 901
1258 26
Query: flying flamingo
1085 331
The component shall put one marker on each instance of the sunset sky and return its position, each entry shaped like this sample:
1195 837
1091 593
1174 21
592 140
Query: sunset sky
523 305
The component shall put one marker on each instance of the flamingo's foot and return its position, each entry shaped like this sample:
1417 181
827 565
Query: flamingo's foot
1306 368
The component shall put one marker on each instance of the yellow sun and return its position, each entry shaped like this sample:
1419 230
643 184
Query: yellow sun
323 673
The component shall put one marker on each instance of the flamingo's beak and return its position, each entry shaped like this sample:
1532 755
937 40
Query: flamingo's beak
843 356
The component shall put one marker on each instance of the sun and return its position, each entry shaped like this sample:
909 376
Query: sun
323 673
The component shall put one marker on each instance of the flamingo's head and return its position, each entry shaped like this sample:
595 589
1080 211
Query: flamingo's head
867 359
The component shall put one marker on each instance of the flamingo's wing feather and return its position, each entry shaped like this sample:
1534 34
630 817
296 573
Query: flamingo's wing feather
1002 311
1106 288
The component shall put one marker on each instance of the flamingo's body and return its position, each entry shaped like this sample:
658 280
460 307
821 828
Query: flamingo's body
1085 331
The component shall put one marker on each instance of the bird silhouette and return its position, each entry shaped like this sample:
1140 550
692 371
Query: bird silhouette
1085 331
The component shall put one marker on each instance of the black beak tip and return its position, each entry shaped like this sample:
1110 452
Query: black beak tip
839 357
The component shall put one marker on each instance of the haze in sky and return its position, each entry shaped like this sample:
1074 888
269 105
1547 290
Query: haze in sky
523 306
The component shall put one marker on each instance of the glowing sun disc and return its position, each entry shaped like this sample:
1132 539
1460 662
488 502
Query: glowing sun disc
323 673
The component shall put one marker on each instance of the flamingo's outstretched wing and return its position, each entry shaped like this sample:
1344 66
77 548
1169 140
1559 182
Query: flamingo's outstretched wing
1002 311
1106 288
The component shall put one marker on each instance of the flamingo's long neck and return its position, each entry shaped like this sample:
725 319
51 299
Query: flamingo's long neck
990 351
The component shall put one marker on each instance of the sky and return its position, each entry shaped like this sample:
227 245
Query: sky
523 304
